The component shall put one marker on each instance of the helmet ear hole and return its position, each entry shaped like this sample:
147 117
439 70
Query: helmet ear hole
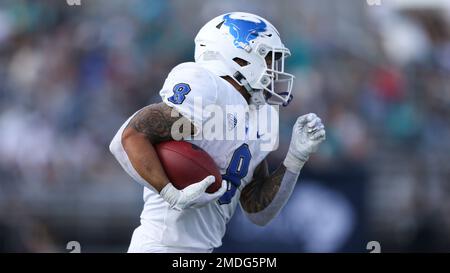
241 62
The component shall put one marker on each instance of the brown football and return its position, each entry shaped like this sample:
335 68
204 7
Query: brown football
186 163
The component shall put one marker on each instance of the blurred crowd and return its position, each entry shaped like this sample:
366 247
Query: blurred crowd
70 76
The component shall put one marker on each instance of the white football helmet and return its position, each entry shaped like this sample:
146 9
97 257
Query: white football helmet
236 44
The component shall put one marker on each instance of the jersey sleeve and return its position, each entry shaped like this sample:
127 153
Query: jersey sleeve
116 148
188 89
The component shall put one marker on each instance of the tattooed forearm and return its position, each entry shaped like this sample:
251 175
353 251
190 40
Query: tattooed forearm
155 122
259 193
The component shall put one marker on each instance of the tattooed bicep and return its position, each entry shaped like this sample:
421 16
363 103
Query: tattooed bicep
155 121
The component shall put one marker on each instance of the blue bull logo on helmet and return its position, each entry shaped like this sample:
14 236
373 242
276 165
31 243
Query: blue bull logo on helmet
243 30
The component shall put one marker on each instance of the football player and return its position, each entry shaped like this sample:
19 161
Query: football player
239 60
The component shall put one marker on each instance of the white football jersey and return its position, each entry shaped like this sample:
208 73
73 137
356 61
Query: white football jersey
202 228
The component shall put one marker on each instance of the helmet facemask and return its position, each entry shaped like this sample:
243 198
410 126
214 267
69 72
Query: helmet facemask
274 86
278 90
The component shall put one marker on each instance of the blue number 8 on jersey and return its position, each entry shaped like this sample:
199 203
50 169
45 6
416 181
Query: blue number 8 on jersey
237 170
180 91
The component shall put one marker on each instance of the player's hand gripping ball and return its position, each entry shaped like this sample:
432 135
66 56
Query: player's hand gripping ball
191 172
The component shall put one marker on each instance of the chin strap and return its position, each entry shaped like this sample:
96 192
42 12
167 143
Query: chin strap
256 95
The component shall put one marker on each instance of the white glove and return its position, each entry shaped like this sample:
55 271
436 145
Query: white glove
308 132
193 195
